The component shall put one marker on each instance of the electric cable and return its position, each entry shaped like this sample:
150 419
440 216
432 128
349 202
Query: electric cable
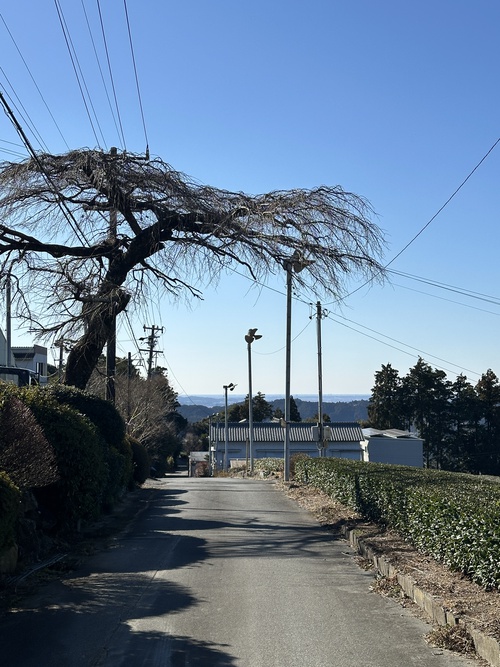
136 77
458 290
395 340
113 115
80 78
457 190
442 298
23 113
111 75
34 81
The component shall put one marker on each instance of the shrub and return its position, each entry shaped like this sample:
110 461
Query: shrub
111 427
293 460
80 491
101 413
25 453
10 504
141 460
268 466
201 469
453 517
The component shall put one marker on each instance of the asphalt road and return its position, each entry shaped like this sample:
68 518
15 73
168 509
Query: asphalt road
212 573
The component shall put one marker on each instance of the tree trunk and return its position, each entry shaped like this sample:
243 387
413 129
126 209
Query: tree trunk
85 354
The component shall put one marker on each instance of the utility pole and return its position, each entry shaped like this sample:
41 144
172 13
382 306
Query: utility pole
319 315
60 344
111 346
8 328
129 395
152 339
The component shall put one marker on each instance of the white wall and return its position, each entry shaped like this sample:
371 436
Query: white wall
398 451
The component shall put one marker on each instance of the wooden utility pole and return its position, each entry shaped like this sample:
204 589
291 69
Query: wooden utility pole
8 328
111 346
152 339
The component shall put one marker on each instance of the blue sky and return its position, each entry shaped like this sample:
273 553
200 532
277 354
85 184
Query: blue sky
395 101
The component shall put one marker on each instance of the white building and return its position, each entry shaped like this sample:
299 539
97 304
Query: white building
392 446
32 359
343 440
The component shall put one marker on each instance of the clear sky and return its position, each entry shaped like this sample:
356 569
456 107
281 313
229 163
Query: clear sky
395 101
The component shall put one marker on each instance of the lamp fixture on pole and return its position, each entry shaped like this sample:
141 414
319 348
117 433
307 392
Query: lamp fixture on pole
250 337
231 387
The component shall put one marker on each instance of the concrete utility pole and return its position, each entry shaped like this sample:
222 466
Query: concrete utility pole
152 339
294 264
231 387
249 338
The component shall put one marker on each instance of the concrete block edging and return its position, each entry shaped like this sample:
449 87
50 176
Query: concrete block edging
486 647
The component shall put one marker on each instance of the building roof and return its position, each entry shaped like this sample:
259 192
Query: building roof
388 433
272 432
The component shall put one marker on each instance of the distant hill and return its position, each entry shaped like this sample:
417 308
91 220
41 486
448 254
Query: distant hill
338 412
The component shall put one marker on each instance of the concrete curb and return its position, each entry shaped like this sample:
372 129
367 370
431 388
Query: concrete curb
486 647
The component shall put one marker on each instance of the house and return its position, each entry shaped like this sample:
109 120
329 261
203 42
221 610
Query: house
342 439
33 358
392 446
31 363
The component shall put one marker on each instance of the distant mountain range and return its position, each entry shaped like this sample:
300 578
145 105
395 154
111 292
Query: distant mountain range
344 411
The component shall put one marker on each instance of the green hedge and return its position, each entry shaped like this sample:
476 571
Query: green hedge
111 427
10 499
141 459
80 492
453 517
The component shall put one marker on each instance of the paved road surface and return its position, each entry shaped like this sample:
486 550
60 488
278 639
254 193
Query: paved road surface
217 573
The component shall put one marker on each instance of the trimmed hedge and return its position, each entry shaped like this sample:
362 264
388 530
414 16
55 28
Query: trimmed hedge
80 457
111 427
10 505
453 517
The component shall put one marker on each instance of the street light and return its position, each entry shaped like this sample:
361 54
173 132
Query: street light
250 337
226 431
293 264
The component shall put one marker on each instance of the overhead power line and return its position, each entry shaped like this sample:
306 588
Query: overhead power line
136 78
111 75
445 203
421 231
73 223
458 290
113 115
34 81
79 76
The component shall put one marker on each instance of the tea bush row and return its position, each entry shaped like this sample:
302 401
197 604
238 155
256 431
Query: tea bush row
453 517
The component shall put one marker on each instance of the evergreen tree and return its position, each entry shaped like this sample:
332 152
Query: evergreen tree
426 395
488 392
384 408
294 411
261 409
464 423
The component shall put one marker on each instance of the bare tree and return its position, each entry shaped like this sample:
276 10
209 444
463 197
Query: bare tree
85 233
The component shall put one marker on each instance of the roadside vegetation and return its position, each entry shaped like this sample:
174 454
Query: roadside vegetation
458 421
67 457
452 517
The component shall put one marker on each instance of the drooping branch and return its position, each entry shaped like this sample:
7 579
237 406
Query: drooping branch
169 232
